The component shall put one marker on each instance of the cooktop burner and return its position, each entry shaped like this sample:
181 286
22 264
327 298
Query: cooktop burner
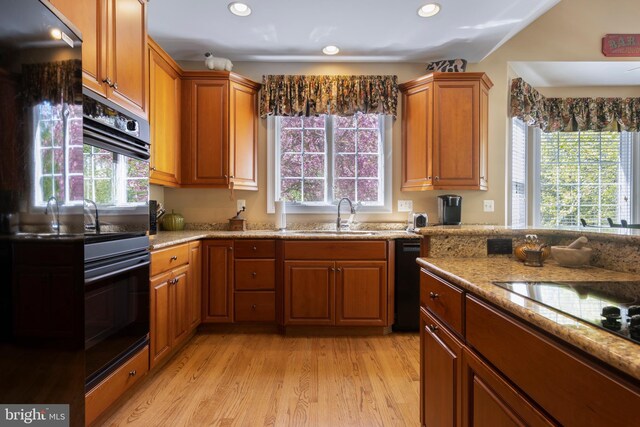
613 306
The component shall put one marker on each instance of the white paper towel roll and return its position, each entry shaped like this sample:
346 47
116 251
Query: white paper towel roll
281 216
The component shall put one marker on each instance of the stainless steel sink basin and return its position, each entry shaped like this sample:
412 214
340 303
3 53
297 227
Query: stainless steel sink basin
336 233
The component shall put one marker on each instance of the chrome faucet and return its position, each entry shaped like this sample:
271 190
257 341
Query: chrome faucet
55 224
339 221
96 225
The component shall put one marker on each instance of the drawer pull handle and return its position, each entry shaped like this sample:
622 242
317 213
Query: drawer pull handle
174 258
253 307
254 274
132 373
433 295
433 328
255 249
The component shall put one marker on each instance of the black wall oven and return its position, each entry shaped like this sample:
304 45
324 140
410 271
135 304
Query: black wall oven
116 251
116 304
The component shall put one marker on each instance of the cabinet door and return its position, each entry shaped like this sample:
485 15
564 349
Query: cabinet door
195 285
164 120
217 281
309 292
90 16
417 138
160 309
179 304
243 137
440 364
128 54
489 401
206 156
361 293
456 141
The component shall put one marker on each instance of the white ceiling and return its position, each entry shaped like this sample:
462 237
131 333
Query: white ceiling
364 30
571 74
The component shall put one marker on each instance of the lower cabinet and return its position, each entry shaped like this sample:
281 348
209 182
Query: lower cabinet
502 372
112 387
175 300
440 374
217 279
341 283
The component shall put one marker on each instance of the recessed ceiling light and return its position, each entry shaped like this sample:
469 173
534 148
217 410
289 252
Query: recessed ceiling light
428 10
239 9
330 50
56 33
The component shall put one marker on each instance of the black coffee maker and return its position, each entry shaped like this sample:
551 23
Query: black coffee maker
449 209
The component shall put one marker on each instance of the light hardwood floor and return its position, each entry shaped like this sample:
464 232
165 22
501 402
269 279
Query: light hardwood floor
256 379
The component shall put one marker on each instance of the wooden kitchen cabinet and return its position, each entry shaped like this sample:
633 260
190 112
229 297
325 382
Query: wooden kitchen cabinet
217 281
309 288
440 374
114 48
220 133
445 132
341 283
165 91
175 298
254 281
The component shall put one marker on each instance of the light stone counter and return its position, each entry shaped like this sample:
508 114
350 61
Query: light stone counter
169 238
477 274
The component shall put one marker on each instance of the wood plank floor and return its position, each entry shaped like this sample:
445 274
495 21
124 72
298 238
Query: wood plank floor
255 379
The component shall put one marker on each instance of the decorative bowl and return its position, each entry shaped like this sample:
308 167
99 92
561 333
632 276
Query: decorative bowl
519 252
574 258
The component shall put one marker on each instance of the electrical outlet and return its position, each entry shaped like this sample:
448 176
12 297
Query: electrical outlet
240 204
488 205
405 205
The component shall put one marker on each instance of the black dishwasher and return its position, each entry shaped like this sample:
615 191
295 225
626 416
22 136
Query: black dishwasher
407 282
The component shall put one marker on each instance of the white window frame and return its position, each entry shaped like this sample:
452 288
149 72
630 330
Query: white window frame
533 178
386 132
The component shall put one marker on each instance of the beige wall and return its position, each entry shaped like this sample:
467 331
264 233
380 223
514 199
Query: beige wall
571 31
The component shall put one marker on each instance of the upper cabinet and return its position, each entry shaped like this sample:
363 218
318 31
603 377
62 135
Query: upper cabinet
114 48
219 130
445 132
164 117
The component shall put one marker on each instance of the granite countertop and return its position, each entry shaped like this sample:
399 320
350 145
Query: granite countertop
169 238
629 235
476 275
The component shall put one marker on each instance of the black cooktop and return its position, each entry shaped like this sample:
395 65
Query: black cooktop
613 306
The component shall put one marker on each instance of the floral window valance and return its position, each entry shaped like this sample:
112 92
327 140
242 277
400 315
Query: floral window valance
296 95
54 82
573 114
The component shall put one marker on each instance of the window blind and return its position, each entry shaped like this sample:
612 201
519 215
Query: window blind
518 173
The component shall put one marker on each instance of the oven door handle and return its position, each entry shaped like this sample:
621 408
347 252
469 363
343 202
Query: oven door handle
89 281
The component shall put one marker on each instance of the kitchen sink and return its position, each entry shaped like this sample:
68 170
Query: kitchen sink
336 233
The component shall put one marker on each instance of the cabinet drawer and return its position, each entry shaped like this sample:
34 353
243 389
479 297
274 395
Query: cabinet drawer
255 274
108 391
568 387
166 259
335 250
255 306
442 299
255 248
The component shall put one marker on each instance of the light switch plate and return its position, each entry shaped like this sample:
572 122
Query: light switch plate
240 204
488 205
405 205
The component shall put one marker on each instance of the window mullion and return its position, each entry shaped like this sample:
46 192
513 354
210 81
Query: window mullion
329 160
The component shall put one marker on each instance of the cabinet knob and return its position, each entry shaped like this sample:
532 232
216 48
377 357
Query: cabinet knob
433 328
255 248
175 281
437 178
174 258
339 269
254 274
433 295
132 373
231 177
115 86
153 168
333 269
108 82
253 307
225 176
230 248
429 178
